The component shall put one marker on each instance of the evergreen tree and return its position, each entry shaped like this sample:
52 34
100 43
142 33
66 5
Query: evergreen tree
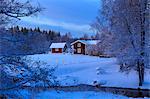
38 30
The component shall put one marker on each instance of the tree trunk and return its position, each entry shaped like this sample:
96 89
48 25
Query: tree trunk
141 62
143 9
140 72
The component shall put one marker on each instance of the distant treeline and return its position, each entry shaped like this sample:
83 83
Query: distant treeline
21 40
50 34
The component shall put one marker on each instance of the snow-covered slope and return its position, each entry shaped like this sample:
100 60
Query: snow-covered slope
83 69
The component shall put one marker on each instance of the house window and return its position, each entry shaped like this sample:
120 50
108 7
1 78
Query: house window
56 49
79 50
79 45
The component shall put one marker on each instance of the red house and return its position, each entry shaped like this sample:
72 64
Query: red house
58 47
81 46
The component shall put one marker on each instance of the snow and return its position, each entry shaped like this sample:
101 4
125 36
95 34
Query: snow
73 95
57 45
83 69
78 95
91 42
87 42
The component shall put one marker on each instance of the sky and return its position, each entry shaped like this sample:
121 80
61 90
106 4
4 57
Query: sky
64 16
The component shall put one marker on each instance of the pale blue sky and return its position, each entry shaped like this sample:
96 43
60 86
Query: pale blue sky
65 16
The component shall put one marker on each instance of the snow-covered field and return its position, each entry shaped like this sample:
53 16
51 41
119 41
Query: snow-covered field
83 69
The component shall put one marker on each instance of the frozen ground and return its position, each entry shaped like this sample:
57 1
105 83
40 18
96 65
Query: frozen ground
71 95
83 69
80 95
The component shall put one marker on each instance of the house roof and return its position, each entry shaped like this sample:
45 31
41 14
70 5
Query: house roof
87 42
57 45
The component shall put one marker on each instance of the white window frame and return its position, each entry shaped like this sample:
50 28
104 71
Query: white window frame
56 49
78 50
78 44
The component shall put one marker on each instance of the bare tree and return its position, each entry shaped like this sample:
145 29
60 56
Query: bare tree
127 20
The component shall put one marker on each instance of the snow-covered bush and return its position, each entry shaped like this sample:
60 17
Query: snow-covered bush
100 71
18 72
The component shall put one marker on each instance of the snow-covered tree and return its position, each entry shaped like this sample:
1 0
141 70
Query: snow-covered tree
66 37
15 9
92 50
85 37
97 36
17 71
128 22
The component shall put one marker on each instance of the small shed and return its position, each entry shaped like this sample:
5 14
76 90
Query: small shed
82 46
58 47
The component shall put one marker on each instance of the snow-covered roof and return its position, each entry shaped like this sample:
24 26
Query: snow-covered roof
87 42
57 45
91 42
